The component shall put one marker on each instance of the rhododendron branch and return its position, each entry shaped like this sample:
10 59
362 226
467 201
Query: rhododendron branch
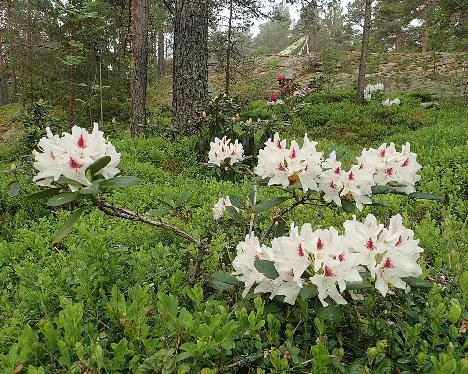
111 210
280 215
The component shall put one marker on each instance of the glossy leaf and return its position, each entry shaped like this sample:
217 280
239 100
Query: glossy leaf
13 189
308 292
63 198
68 226
96 166
182 200
223 281
415 282
236 201
91 190
348 205
44 194
269 204
158 212
267 268
120 182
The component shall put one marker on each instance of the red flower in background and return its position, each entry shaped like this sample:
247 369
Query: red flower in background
280 78
273 96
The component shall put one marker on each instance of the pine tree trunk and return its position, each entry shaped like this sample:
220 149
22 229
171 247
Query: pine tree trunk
228 51
425 41
190 63
12 50
3 80
161 61
364 51
72 75
140 19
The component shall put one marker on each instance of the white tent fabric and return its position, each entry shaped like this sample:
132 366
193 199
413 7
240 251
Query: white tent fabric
299 47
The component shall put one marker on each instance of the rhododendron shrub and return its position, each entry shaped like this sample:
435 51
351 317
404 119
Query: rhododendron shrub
327 262
77 167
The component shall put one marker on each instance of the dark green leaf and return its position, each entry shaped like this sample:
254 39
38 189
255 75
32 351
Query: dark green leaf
62 198
267 268
158 212
236 201
426 196
308 292
223 281
96 166
91 190
414 282
71 182
166 202
268 204
120 182
44 194
252 196
182 200
233 213
358 285
280 228
13 189
68 226
331 313
348 205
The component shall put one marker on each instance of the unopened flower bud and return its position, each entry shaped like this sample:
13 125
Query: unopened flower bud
13 167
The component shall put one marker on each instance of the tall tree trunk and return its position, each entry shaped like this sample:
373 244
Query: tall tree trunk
139 76
397 41
72 74
3 80
228 51
12 50
161 60
190 63
364 51
425 41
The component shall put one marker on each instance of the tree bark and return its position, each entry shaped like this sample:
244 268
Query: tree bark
190 62
425 41
364 51
11 50
3 80
139 76
161 61
72 75
228 51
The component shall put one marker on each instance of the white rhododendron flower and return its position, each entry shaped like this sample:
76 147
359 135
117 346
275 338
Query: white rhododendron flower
70 154
275 102
371 88
389 102
249 251
329 261
223 152
220 207
285 166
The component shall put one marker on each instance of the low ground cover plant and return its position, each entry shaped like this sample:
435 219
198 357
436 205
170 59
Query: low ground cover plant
116 295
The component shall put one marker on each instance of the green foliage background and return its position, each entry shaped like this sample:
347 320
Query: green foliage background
114 297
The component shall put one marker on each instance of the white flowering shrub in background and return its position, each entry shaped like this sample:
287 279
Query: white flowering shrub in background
223 152
371 89
389 102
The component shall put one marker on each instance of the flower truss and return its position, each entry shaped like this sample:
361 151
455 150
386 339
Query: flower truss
389 102
70 155
223 152
328 261
286 166
370 89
